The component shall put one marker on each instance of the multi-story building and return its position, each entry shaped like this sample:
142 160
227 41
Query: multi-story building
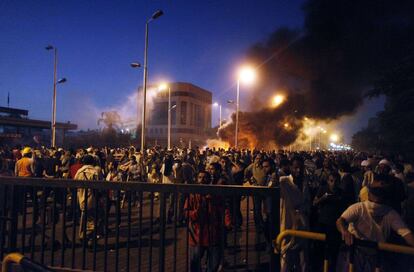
190 116
17 128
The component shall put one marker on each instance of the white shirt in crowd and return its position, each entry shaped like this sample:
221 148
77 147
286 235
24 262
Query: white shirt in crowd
372 221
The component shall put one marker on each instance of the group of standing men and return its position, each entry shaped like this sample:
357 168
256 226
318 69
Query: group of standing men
344 194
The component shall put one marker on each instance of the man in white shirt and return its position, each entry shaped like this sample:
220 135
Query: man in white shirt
372 220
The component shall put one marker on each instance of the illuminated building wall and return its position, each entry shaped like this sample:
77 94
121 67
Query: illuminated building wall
190 119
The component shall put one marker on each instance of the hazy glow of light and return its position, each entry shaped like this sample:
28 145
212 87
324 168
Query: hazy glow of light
286 125
215 104
152 93
247 75
334 137
277 100
163 87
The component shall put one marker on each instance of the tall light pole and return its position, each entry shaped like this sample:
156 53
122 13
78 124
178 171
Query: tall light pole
321 130
247 75
220 119
310 142
136 65
154 16
236 133
62 80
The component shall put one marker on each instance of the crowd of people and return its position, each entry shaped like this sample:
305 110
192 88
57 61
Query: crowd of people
347 195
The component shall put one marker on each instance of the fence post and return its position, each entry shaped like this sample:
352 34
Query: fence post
161 254
15 201
3 218
274 228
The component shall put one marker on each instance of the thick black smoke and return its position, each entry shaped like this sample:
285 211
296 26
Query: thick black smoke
327 67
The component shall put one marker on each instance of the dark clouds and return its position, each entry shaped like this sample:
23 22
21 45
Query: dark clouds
327 67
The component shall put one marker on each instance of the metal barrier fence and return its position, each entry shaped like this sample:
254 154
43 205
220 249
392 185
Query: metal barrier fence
323 237
25 263
132 226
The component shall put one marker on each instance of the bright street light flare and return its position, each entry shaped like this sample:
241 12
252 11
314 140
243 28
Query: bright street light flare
334 137
163 87
277 100
247 75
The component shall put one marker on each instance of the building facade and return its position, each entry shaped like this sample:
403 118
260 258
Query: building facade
17 128
190 116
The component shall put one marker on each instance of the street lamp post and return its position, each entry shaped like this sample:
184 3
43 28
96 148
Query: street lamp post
163 87
170 108
321 130
220 116
154 16
310 143
247 75
63 80
237 113
320 136
169 118
136 65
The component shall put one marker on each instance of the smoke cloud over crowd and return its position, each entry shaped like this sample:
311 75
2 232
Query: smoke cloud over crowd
325 69
127 110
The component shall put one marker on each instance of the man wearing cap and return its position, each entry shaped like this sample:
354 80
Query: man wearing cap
384 167
24 167
368 173
368 179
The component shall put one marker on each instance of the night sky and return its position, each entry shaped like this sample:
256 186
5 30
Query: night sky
202 42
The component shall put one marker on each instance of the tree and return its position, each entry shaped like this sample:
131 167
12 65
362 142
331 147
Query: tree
395 124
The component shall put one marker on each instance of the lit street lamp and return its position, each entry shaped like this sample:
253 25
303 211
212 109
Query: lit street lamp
277 100
62 80
321 130
247 75
219 105
334 137
154 16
